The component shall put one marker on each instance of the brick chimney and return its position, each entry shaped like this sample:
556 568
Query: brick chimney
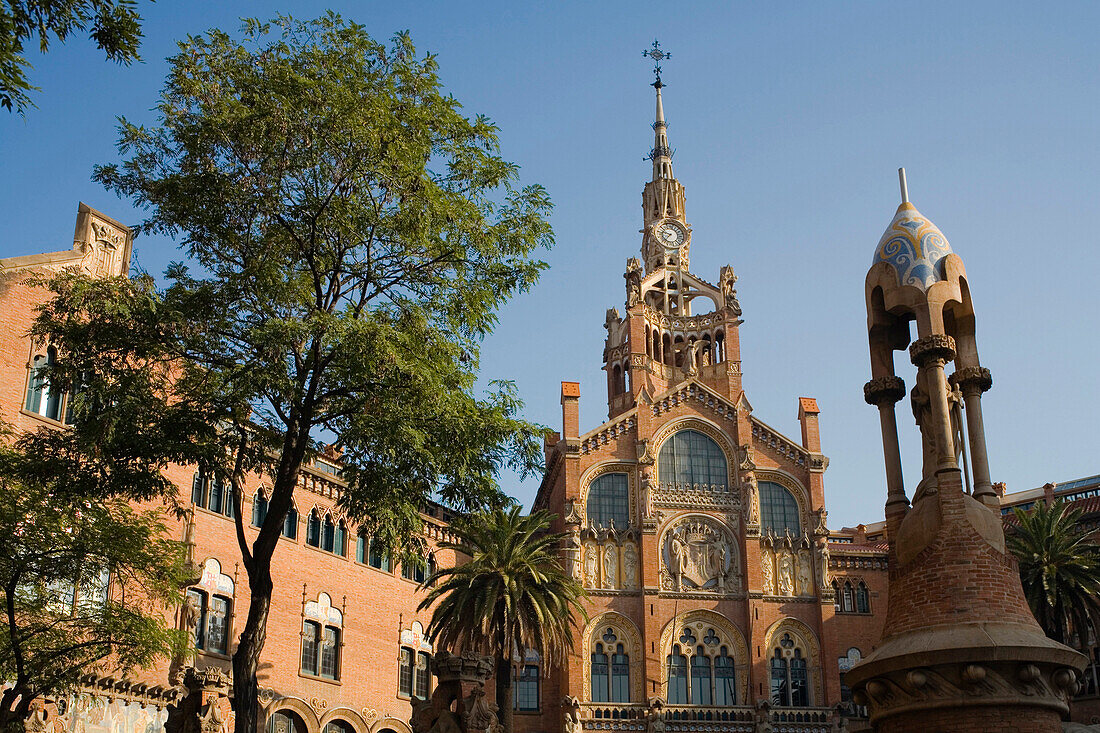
570 409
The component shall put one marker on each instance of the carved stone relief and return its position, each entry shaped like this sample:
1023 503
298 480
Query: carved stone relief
785 574
630 566
591 565
767 570
699 554
610 565
805 573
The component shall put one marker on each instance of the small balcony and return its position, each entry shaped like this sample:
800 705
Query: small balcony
703 719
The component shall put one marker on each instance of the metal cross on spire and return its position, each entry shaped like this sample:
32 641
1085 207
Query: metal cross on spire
658 56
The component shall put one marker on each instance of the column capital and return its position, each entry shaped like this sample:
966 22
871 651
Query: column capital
974 379
883 390
938 346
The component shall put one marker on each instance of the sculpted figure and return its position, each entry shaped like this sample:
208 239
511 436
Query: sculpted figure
921 402
754 500
766 568
805 574
727 279
649 487
823 565
677 551
633 277
610 565
786 575
655 718
572 722
573 553
590 562
630 566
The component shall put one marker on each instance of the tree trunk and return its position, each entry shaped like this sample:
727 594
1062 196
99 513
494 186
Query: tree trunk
246 660
504 692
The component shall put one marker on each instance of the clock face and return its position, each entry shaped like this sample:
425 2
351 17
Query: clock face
670 235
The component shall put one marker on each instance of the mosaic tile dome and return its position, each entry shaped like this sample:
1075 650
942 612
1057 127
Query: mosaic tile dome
914 247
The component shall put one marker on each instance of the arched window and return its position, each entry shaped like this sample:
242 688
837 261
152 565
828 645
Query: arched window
328 534
321 632
847 603
414 675
212 493
41 399
620 674
707 661
290 524
285 721
313 530
790 680
601 677
340 541
371 552
779 509
338 726
677 677
863 601
259 509
609 501
689 458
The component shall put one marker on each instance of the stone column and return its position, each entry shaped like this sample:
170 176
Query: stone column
929 355
203 706
884 392
973 381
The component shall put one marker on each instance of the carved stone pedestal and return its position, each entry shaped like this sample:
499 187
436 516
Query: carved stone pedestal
960 649
204 705
458 703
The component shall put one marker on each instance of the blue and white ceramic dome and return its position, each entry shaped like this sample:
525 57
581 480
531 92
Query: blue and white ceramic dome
914 247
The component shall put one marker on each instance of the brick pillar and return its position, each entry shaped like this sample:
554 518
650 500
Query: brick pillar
570 409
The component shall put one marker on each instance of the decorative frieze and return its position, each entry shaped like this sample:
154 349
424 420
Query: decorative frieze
606 434
773 439
693 393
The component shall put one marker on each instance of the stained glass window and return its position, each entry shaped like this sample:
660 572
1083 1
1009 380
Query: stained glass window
779 509
609 501
689 458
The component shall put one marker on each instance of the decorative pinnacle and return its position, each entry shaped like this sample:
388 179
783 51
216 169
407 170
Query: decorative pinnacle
904 186
658 56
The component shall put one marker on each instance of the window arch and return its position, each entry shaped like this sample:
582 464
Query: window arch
322 629
688 458
338 726
610 668
789 672
779 509
290 524
851 597
212 493
701 669
611 642
609 501
285 721
259 509
313 529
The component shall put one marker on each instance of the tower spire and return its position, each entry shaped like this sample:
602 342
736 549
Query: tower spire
661 154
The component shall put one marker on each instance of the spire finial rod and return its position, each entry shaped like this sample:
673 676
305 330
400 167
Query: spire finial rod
904 186
661 154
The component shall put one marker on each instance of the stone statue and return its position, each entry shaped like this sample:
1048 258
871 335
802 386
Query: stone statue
573 552
633 277
655 717
590 565
786 575
726 280
921 402
677 551
823 564
766 569
571 722
821 530
630 566
649 488
719 558
610 564
754 500
805 574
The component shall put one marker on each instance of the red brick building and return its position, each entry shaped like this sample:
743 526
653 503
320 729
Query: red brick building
345 646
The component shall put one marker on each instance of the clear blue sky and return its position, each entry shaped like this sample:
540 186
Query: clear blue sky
789 120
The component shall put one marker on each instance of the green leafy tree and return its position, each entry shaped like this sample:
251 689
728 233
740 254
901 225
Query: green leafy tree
511 596
1059 569
114 25
86 582
351 236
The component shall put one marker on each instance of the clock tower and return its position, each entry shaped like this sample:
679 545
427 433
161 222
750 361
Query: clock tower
677 325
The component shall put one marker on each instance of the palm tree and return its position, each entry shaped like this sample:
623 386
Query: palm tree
511 596
1059 568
